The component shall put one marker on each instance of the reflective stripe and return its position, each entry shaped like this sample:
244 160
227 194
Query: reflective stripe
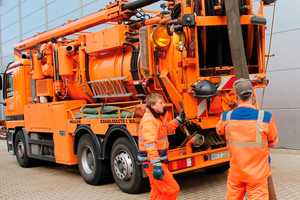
168 130
247 144
257 143
259 125
163 157
143 155
156 160
177 121
143 158
150 145
163 139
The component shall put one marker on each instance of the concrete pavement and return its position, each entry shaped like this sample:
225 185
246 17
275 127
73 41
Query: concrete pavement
59 182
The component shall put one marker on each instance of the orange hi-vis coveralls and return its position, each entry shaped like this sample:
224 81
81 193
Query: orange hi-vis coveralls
153 149
248 132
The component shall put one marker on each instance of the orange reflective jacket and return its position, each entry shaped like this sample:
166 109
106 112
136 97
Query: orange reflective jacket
153 140
249 132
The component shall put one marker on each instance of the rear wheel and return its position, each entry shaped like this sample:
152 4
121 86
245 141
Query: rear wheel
126 172
21 151
92 170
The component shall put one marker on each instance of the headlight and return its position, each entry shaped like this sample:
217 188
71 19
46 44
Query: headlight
159 37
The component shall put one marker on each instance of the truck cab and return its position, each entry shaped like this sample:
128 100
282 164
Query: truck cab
16 90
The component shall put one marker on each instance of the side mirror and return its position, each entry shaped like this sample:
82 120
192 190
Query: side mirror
1 85
1 82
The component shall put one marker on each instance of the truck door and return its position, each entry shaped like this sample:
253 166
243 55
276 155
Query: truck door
8 94
15 91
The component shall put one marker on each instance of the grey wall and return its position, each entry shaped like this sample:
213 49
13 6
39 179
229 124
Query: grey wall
282 95
22 19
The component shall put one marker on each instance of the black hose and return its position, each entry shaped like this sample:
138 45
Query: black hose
197 7
217 46
134 67
133 61
138 4
127 43
132 39
176 11
168 24
131 33
87 71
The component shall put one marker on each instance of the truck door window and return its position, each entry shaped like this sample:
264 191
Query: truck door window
9 85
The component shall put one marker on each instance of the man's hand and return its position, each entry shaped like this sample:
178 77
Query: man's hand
158 172
181 116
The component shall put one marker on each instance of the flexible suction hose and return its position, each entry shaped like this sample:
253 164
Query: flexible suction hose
138 4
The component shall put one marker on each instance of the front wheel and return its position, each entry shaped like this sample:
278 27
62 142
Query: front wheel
92 170
21 151
126 172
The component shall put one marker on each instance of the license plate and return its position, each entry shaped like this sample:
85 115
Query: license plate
218 155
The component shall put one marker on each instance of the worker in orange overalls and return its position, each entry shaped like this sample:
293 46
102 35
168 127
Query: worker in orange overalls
249 132
153 147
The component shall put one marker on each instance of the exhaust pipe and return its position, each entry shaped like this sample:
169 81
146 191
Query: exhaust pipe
138 4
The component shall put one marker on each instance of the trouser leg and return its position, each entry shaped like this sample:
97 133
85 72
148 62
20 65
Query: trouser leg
236 190
168 188
258 190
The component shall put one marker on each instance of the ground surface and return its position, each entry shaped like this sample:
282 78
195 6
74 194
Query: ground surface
59 182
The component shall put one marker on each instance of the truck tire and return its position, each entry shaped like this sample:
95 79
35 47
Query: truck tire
21 151
126 172
218 169
92 170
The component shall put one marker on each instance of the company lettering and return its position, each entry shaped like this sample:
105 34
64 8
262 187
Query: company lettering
117 121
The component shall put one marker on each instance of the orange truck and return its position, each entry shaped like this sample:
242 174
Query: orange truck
77 97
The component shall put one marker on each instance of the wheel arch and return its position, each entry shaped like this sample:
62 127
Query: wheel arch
81 130
112 135
13 135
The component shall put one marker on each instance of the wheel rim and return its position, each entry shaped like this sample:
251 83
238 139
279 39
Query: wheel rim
20 149
123 166
87 160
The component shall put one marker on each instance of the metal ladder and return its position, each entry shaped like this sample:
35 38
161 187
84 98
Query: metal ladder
109 88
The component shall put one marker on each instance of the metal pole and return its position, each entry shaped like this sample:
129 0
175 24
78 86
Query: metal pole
238 55
236 39
272 194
